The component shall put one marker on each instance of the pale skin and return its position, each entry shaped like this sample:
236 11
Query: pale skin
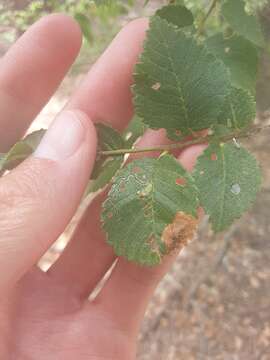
47 315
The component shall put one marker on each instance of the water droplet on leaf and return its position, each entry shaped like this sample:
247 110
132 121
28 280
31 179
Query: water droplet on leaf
235 189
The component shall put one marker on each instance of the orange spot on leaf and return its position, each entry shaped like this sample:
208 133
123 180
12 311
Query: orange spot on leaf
214 157
110 215
178 234
181 181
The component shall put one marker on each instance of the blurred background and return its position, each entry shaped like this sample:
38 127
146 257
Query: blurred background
215 302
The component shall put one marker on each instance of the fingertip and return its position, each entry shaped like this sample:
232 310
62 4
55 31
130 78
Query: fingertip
106 95
139 26
64 31
131 38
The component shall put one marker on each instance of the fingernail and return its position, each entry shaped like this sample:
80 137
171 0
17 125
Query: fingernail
63 138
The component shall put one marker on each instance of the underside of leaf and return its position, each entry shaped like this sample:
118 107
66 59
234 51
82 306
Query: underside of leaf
21 150
106 167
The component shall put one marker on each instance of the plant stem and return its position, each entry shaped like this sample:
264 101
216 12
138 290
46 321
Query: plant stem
199 140
206 17
159 148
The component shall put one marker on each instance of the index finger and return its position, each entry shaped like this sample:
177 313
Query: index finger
105 94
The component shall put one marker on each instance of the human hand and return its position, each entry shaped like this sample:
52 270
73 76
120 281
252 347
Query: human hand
48 315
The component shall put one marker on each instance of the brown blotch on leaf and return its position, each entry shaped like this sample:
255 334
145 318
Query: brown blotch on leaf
181 181
156 86
178 132
178 234
214 157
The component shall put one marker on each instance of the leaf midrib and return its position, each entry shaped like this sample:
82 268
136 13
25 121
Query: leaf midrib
222 203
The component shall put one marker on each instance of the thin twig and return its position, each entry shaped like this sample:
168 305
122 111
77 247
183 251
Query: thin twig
199 140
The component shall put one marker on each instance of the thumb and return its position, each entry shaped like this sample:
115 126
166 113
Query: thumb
39 198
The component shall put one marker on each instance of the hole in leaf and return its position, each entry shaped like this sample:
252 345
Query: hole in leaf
128 135
180 181
236 143
156 86
110 215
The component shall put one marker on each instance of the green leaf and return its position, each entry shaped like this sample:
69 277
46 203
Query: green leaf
150 210
176 15
228 179
106 167
243 23
239 110
84 23
134 131
240 56
34 138
178 84
21 150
